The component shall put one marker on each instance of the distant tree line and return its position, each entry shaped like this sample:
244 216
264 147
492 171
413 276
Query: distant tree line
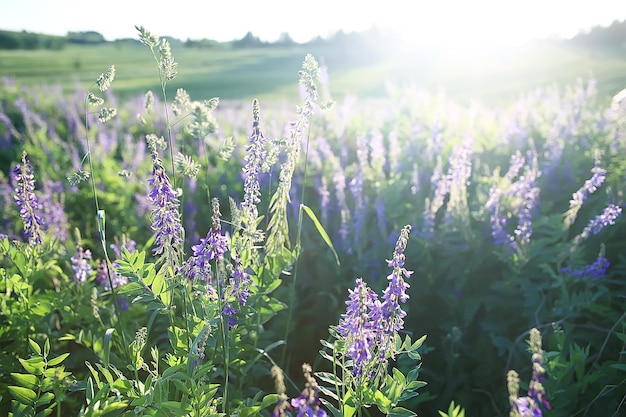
28 40
613 36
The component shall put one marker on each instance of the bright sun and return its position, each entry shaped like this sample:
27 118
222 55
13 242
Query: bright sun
458 26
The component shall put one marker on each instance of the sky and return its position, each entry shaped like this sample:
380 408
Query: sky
428 22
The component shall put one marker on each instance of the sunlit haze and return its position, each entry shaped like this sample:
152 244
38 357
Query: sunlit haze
451 23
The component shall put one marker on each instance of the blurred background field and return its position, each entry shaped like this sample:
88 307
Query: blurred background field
359 64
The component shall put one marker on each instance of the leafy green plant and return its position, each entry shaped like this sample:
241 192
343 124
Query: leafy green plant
43 387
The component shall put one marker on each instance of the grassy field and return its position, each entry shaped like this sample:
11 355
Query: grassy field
271 73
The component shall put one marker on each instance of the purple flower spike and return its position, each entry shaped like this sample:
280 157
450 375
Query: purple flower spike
358 326
26 200
165 211
395 293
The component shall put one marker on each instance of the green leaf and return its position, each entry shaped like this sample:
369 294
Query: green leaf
34 347
413 385
399 377
25 380
46 348
33 365
321 231
618 366
401 412
336 412
382 401
45 412
418 343
328 377
58 359
176 408
23 395
268 400
44 399
132 288
106 350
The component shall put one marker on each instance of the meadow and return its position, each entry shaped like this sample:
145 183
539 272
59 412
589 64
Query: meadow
400 251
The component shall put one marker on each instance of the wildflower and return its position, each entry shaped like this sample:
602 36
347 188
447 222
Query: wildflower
80 264
529 406
395 292
308 402
102 277
535 388
595 225
255 154
512 379
527 193
358 327
211 248
516 163
590 186
596 270
165 213
26 200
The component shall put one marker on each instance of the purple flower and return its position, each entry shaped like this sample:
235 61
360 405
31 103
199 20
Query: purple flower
80 264
535 388
308 402
26 200
594 271
211 248
526 407
358 325
255 156
165 213
527 192
590 186
395 293
102 277
530 406
608 217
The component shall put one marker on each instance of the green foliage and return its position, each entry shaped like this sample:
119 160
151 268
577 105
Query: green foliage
45 381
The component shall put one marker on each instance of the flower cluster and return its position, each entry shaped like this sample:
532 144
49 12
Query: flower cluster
520 198
308 402
595 225
26 200
211 248
80 264
165 213
530 405
590 186
359 326
369 326
102 277
255 155
596 270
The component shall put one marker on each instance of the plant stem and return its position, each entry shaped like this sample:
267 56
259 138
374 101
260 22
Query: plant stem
292 292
